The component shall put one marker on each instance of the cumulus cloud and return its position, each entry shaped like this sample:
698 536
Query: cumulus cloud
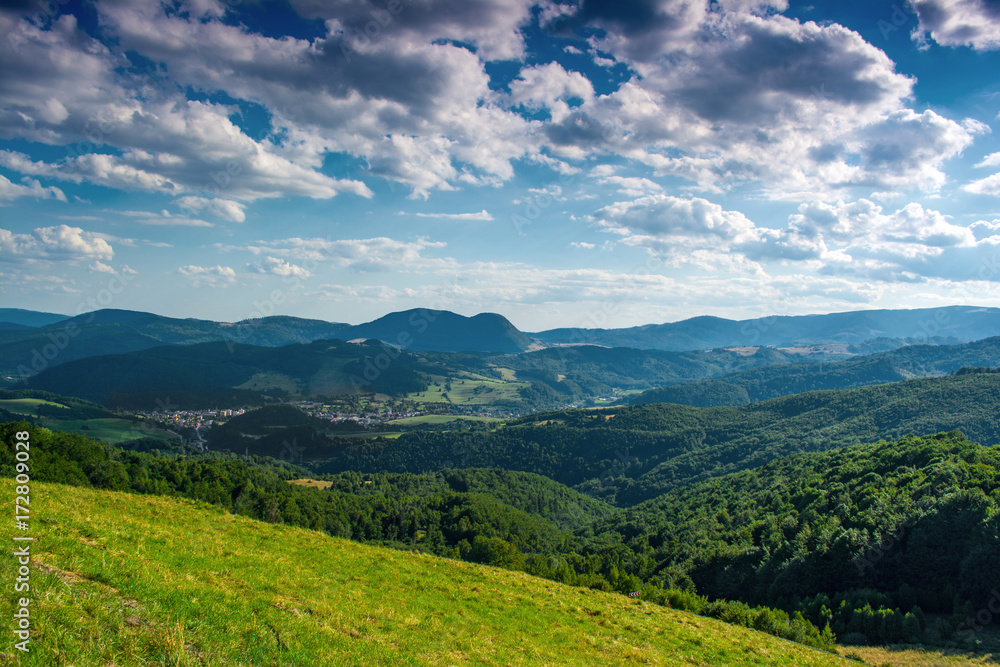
279 267
62 87
418 108
985 186
552 88
59 243
747 96
974 23
31 188
991 160
223 208
858 238
631 186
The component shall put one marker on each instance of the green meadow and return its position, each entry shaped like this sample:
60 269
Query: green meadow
121 579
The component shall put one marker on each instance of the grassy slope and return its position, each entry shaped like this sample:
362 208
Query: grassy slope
128 580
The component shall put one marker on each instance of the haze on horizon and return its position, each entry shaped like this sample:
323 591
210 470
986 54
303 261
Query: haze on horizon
564 164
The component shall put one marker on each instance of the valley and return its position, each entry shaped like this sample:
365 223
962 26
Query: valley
794 493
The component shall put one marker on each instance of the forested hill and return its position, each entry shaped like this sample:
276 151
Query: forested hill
891 525
758 384
631 454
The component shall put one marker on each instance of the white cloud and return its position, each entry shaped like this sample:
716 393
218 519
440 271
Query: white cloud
208 276
631 186
223 208
31 188
550 87
417 108
164 219
974 23
991 160
59 243
482 215
279 267
858 239
985 186
362 255
61 87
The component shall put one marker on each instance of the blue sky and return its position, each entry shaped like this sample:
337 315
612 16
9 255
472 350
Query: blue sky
586 163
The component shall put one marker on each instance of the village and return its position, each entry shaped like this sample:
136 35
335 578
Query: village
192 425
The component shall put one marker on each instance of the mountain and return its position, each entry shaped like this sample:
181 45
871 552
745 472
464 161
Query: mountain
110 331
114 580
964 323
444 331
232 374
770 381
29 318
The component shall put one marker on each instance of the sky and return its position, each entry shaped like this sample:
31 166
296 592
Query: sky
566 163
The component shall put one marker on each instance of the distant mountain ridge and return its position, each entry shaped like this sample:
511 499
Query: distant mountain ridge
29 318
966 323
31 342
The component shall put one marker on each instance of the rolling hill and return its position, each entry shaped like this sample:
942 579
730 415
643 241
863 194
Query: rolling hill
231 374
129 580
888 525
29 351
631 454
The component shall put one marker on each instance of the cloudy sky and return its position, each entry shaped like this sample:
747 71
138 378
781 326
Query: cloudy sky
562 162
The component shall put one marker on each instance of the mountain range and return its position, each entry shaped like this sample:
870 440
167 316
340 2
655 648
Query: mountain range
32 341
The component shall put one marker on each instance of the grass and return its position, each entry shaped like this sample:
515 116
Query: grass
311 483
468 391
919 657
26 406
125 580
111 429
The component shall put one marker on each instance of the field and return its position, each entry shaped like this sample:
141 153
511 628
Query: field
312 483
913 657
468 390
135 580
26 406
110 429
